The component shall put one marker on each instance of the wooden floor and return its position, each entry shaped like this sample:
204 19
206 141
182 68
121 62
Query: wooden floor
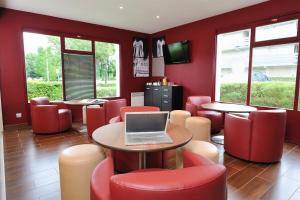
31 168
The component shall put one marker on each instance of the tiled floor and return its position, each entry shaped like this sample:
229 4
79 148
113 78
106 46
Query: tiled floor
32 169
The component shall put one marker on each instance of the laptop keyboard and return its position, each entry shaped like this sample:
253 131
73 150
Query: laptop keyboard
148 138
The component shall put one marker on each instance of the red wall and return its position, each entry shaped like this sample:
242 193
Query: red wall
12 69
198 76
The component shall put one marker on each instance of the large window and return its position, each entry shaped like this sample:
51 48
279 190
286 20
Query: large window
88 71
107 69
274 61
43 65
232 70
274 71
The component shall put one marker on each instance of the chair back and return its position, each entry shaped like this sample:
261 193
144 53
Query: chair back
39 101
125 109
205 179
112 108
268 133
199 100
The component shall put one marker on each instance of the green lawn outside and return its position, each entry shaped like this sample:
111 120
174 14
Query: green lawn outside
273 93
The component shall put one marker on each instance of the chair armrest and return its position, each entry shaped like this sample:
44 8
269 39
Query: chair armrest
115 120
237 136
45 109
191 159
234 122
60 104
100 180
191 108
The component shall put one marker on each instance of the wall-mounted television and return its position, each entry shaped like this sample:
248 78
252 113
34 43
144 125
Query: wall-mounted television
178 52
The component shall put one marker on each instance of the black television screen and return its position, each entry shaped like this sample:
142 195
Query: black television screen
178 52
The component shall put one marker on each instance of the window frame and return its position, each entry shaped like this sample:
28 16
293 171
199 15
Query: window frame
254 44
62 37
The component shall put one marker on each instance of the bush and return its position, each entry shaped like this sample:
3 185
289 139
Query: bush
52 89
234 92
273 94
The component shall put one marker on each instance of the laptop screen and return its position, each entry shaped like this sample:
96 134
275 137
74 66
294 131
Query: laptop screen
146 121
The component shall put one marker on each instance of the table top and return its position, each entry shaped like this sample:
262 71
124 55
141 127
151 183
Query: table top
86 102
228 107
112 136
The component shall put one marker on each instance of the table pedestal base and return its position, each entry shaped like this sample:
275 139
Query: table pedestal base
218 139
142 160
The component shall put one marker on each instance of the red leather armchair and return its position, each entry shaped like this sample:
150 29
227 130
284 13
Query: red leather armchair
49 117
97 117
193 105
199 179
258 138
112 108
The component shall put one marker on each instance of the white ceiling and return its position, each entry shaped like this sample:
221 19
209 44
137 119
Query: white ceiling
137 15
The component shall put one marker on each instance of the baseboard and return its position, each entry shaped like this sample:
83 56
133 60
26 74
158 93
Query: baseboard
2 171
15 126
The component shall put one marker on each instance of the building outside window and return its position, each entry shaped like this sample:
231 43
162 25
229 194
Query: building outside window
274 61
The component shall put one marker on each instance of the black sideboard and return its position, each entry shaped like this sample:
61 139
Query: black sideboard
166 97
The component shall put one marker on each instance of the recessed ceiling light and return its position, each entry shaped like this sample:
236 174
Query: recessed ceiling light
157 16
121 7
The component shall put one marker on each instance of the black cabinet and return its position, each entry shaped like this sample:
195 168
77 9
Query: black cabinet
166 97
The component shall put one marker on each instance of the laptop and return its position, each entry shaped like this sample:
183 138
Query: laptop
146 128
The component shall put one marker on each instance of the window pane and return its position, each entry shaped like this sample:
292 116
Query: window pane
232 66
78 44
274 75
43 65
79 76
107 69
277 31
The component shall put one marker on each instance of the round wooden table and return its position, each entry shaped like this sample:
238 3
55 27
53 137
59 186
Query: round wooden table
111 136
226 108
86 102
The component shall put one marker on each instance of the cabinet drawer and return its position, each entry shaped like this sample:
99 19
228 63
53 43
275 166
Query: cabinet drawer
166 105
166 101
166 91
166 96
